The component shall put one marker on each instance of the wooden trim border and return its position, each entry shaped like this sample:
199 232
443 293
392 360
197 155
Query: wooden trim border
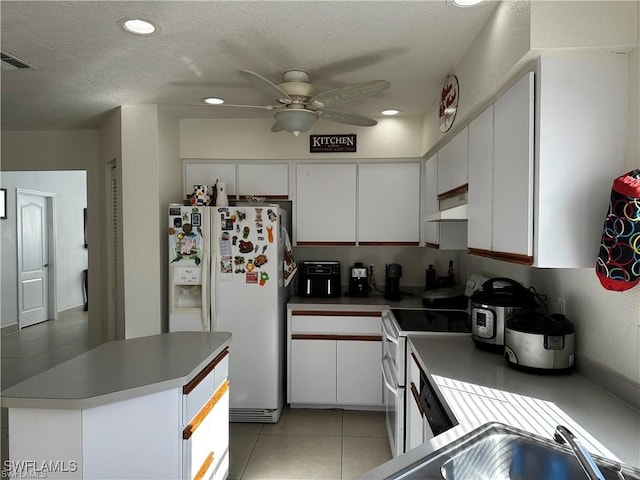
205 410
454 192
325 244
326 336
504 256
432 245
332 313
389 244
204 467
195 381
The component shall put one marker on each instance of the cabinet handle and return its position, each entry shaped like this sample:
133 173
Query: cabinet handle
189 387
204 467
331 313
326 336
205 410
416 397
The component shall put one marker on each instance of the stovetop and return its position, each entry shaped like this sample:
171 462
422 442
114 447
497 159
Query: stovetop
453 321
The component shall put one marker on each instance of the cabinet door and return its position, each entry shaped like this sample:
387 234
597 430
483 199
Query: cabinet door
480 206
359 378
269 180
313 371
430 192
325 204
201 173
389 203
452 163
512 231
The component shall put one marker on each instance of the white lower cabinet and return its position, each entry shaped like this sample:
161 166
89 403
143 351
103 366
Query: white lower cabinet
313 371
334 358
357 382
415 431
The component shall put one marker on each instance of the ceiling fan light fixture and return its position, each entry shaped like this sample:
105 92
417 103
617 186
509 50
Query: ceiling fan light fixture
465 3
295 121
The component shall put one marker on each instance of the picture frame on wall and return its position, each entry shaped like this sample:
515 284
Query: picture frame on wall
3 203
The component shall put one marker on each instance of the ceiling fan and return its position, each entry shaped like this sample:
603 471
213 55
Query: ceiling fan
300 104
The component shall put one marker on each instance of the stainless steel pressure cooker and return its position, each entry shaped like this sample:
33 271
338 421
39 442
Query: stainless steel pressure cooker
491 305
535 340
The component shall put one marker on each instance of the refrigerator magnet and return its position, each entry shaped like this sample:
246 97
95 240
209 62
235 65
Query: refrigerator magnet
264 276
196 219
258 214
251 278
177 222
269 234
272 216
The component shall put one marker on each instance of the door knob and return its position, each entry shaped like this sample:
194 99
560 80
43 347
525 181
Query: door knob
46 264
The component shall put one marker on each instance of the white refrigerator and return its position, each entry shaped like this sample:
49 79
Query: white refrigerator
226 273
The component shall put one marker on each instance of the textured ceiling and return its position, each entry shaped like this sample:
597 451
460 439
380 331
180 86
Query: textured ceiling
85 65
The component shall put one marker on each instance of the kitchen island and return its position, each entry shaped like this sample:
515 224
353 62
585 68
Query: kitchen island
149 407
479 387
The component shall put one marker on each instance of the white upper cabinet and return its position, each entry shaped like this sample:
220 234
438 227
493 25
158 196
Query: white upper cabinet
207 173
443 235
431 232
263 179
512 227
389 203
452 163
325 203
555 155
480 208
582 107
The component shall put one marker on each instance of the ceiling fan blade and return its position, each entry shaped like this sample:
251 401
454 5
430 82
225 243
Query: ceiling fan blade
266 86
348 93
265 107
348 118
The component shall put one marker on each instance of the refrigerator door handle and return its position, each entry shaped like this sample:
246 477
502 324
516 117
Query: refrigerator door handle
204 291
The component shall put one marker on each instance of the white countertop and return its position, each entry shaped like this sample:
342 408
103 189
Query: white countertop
480 387
411 298
119 370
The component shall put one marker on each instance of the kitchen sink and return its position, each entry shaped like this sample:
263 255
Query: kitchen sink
496 451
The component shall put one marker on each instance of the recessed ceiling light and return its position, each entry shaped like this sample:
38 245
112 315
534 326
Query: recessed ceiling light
465 3
390 112
138 26
213 101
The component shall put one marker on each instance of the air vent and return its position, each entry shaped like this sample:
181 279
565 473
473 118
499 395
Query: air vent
11 62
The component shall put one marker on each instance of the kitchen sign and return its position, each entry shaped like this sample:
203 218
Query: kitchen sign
332 143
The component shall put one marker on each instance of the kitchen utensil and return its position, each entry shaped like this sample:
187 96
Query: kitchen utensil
393 273
491 305
536 340
359 281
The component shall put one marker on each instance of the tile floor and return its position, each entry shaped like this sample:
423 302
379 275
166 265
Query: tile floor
304 444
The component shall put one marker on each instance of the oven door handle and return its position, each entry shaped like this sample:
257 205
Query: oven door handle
388 331
387 376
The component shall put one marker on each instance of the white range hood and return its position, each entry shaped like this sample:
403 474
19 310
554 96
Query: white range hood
453 214
452 209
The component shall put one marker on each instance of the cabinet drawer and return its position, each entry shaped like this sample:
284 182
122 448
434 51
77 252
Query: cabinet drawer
304 321
206 437
204 384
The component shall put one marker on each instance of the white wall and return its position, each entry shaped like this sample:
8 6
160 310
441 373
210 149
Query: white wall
65 150
70 190
140 220
244 139
607 332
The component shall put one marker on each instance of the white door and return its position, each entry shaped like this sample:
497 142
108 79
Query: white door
33 257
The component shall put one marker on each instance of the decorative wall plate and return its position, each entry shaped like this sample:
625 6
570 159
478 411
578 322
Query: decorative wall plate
448 103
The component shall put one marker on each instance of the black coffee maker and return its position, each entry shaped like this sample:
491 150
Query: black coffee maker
359 281
393 272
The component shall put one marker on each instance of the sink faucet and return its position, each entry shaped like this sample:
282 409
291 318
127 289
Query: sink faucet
562 435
